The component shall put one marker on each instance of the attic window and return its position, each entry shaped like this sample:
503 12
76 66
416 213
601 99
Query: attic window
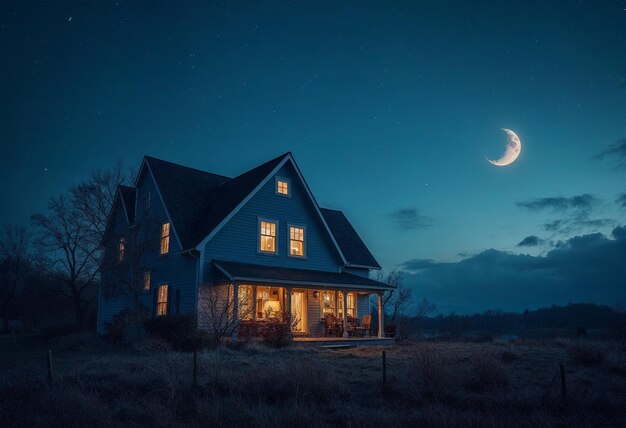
147 200
282 186
165 238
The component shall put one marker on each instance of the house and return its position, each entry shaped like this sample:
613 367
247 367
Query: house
179 234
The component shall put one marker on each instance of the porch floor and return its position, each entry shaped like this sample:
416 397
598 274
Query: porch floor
332 342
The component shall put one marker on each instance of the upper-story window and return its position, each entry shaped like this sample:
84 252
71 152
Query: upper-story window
165 238
282 186
147 200
296 241
267 241
121 250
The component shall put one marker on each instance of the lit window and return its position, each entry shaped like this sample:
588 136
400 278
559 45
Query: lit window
245 302
121 250
351 299
328 302
162 300
296 241
268 237
282 187
146 281
165 238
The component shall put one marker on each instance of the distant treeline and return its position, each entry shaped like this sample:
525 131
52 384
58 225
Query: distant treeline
575 317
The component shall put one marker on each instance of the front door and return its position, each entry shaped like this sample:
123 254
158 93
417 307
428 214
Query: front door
298 310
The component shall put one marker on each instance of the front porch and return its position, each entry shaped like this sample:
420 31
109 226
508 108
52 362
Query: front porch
321 306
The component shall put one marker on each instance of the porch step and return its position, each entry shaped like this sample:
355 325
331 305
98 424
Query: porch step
342 346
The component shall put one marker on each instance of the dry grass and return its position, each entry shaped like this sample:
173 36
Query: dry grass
429 384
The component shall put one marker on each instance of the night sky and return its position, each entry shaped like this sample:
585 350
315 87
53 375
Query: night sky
390 109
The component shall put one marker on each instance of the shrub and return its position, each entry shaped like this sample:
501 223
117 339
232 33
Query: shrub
488 374
586 355
432 375
276 332
180 331
507 357
117 330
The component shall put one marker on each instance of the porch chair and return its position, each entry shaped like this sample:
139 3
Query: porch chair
329 323
364 328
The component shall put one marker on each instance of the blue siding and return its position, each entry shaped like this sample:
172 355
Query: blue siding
175 269
238 239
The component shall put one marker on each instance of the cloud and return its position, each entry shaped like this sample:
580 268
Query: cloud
420 264
615 151
530 241
577 224
585 268
621 200
583 202
409 219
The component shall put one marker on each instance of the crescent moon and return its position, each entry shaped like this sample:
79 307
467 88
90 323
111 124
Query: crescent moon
513 149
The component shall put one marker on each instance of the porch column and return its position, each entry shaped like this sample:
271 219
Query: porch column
336 305
288 300
234 332
345 313
381 315
254 311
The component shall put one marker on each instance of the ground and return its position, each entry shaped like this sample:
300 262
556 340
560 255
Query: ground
428 384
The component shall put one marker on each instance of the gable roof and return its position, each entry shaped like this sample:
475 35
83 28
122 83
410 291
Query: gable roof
187 194
351 244
230 195
199 203
129 195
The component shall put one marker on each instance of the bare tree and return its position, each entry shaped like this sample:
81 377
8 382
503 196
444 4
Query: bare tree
71 234
15 265
71 246
396 301
216 309
424 308
94 196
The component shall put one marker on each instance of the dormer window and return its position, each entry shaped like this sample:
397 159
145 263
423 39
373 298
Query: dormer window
165 238
282 186
267 238
121 249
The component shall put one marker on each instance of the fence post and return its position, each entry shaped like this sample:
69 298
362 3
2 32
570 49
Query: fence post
49 365
384 368
563 386
195 368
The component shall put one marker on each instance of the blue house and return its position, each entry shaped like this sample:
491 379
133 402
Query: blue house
260 236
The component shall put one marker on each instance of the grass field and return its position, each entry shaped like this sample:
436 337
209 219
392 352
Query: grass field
428 384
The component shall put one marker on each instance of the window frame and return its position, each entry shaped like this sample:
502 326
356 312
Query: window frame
304 241
121 250
276 251
286 180
169 233
147 275
159 302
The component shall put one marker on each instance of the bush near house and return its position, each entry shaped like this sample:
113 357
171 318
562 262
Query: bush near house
180 331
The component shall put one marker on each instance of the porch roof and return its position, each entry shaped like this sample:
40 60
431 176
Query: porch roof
258 274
